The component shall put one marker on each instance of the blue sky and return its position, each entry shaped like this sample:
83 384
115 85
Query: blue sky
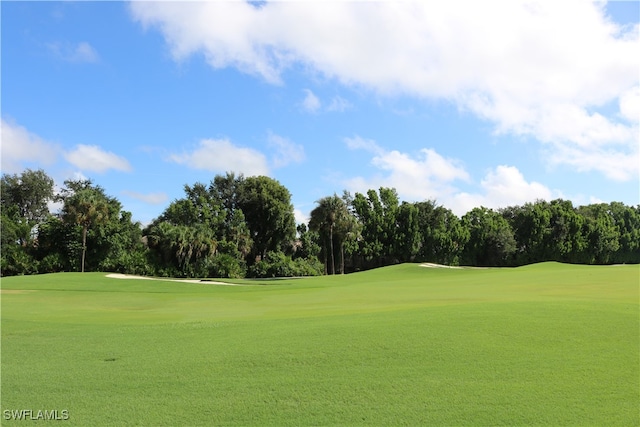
455 102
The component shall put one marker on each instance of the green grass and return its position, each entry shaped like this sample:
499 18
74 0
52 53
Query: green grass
546 344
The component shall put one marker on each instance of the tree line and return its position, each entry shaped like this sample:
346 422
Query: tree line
238 226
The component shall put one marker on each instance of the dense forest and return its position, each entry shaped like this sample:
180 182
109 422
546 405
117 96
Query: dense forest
240 226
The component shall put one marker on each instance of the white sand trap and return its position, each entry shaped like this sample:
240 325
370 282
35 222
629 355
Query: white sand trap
431 265
202 282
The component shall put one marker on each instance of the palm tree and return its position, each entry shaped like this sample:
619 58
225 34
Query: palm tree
86 208
330 212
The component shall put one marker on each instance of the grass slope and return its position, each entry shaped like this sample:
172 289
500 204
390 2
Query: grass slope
546 344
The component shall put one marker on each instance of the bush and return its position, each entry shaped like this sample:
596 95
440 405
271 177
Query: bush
52 263
309 267
16 260
277 264
225 265
134 261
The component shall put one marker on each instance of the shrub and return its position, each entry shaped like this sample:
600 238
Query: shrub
277 264
225 265
16 260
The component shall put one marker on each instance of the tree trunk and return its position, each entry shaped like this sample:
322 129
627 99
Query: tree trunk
342 257
84 244
333 261
326 258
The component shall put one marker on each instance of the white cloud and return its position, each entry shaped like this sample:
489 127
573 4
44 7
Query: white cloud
310 103
300 217
339 104
150 198
70 52
428 175
286 152
617 165
359 143
95 159
220 155
19 146
425 175
537 68
78 176
630 104
501 187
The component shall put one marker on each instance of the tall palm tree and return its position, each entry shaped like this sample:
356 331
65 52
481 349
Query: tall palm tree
330 213
86 208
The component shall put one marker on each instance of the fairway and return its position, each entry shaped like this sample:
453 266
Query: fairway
546 344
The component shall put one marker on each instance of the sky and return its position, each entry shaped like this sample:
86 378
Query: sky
492 103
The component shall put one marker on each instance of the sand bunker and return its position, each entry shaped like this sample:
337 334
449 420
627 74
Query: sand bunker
202 282
431 265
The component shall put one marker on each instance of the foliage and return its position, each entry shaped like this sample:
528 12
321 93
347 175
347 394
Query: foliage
377 216
237 226
333 223
266 205
491 241
85 206
92 229
225 266
443 236
307 244
29 193
277 264
16 260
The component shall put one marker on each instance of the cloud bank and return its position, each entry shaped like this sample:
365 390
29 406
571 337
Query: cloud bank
20 145
541 69
220 155
94 159
428 175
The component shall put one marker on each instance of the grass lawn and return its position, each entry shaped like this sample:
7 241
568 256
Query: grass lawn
547 344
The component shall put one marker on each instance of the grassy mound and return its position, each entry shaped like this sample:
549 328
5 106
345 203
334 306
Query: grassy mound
547 344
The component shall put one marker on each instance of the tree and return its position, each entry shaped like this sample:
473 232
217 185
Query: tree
29 192
349 230
377 215
491 241
86 207
266 205
119 246
203 234
307 246
442 236
407 238
331 216
627 221
601 232
24 201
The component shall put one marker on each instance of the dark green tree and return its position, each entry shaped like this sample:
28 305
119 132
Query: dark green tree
408 236
30 192
86 207
442 236
601 233
307 244
331 220
266 205
627 221
491 241
24 202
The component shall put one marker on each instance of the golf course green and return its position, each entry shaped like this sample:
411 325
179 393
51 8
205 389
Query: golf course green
545 344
